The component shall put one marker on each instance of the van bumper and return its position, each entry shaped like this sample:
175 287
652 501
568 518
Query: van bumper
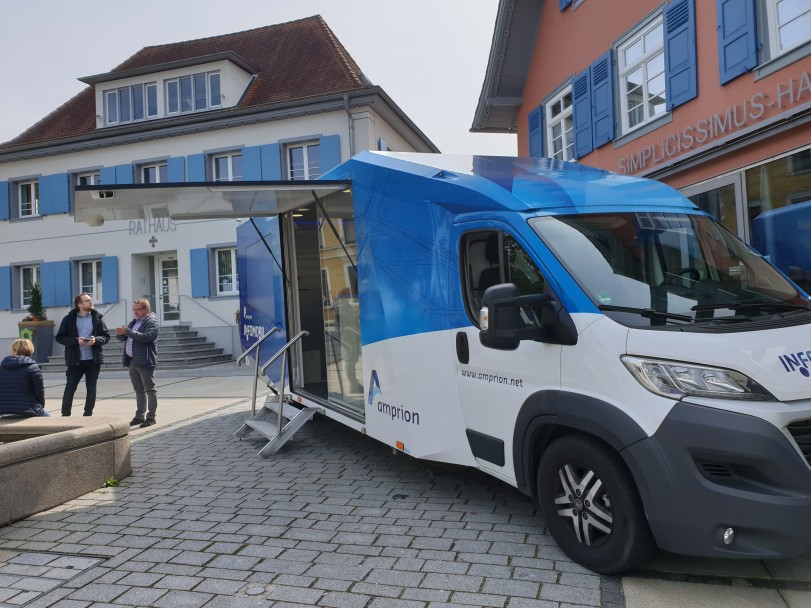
707 470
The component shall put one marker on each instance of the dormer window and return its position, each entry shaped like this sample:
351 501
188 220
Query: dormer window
193 93
130 104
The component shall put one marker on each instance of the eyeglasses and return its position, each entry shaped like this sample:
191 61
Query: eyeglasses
140 308
86 301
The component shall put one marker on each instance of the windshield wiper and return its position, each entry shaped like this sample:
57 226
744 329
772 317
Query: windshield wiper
648 313
749 304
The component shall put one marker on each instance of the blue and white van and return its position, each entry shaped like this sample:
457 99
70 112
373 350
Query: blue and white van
592 339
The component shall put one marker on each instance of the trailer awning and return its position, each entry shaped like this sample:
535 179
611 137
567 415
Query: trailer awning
197 201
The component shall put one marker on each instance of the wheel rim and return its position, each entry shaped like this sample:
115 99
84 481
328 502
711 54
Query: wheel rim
583 501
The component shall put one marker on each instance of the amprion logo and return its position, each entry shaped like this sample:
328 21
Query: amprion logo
797 361
374 387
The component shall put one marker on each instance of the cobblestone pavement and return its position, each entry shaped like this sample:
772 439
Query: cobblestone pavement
335 519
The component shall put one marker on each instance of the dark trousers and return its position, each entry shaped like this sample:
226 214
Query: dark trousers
90 371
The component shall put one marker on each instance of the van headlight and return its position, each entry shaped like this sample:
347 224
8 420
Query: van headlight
676 380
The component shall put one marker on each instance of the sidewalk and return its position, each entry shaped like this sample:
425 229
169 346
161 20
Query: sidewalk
335 519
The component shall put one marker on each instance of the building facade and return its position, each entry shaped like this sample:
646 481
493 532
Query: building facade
282 102
713 98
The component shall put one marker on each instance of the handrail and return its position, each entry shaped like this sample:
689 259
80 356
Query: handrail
112 306
213 314
283 353
244 355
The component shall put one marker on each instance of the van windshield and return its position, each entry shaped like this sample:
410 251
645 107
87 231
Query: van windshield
669 269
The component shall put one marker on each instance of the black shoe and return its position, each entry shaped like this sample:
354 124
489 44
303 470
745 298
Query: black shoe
87 414
148 422
64 414
136 421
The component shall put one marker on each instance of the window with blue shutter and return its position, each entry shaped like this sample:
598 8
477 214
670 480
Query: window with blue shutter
200 285
109 279
252 163
55 281
176 169
535 120
5 201
54 194
737 38
581 114
601 74
681 73
120 174
5 287
271 161
196 165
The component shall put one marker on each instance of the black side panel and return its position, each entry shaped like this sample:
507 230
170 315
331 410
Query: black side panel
572 410
486 447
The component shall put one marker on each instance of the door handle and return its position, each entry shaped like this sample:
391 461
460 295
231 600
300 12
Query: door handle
462 348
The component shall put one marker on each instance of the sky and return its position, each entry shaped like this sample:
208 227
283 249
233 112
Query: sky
430 56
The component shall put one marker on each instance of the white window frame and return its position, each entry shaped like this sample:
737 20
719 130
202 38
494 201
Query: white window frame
230 174
25 294
93 289
294 172
113 99
623 71
158 169
32 187
233 276
87 178
564 119
774 27
204 94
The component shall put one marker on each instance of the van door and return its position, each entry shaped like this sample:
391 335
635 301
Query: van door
494 384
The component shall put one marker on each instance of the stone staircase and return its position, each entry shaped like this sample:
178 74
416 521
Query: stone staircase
179 347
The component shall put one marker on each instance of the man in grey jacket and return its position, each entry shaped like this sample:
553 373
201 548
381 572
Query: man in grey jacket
141 357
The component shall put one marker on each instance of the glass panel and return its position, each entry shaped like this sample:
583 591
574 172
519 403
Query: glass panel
214 86
172 97
795 32
220 168
186 104
791 9
634 52
296 161
654 38
236 167
779 204
169 296
151 100
124 111
720 203
163 175
112 106
225 271
138 102
200 96
313 161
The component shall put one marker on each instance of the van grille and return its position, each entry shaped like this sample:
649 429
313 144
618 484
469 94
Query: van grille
801 431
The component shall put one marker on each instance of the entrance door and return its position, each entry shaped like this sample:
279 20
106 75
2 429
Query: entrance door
167 293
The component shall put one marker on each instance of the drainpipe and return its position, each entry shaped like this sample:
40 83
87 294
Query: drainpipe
351 127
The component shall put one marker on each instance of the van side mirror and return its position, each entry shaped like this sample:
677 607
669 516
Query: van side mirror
506 318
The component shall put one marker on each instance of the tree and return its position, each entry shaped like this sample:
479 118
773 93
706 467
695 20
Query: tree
36 312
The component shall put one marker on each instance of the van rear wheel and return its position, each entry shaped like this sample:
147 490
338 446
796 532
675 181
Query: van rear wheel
591 505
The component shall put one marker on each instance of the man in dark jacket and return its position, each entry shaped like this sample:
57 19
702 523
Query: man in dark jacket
141 357
83 334
22 391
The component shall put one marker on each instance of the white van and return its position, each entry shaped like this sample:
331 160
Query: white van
592 339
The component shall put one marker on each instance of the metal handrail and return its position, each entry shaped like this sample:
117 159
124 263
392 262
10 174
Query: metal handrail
283 353
244 356
213 314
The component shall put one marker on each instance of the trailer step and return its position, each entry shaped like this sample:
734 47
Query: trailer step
266 424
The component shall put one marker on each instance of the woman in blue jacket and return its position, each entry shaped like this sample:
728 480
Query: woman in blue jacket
22 391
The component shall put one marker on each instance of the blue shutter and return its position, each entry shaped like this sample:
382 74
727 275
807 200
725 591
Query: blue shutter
5 287
681 73
176 169
581 114
271 161
330 147
737 38
107 175
124 174
200 287
5 201
563 4
54 194
601 74
55 280
535 120
252 163
109 279
196 164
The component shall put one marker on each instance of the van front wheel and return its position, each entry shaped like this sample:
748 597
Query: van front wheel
591 505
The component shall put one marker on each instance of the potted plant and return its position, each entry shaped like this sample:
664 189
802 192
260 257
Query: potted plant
37 327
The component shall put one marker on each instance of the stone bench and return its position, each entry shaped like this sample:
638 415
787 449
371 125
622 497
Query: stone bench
45 462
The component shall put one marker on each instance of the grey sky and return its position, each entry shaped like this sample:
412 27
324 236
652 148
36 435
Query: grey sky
428 55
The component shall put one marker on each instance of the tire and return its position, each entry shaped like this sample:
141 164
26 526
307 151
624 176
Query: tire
591 505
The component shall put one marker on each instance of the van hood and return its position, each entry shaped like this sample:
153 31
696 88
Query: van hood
778 359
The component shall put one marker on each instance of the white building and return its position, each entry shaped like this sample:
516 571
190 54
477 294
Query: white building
275 103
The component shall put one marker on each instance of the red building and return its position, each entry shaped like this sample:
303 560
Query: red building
713 98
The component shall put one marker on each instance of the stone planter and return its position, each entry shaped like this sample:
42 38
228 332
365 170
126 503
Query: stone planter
41 333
